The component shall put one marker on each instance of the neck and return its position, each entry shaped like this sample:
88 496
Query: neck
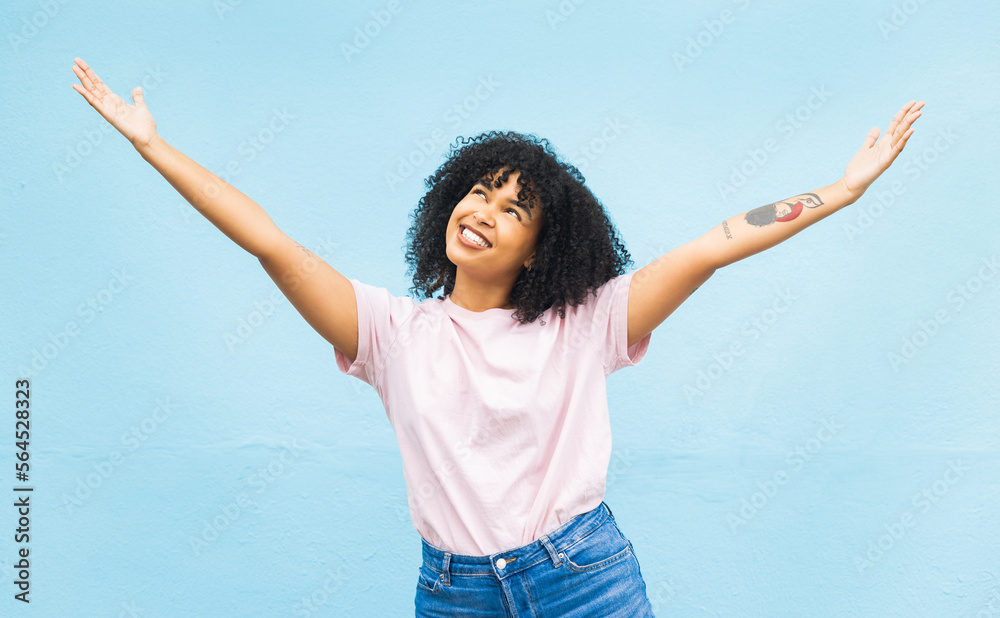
477 295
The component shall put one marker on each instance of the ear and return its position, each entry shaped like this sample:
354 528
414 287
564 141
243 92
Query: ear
529 262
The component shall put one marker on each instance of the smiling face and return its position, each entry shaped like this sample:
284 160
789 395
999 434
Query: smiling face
504 231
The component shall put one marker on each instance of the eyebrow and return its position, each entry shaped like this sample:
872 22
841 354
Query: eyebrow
485 183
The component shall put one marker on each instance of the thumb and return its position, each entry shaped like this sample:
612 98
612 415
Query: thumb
137 97
872 137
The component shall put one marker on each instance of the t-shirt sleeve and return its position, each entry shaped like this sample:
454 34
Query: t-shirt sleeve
380 315
603 319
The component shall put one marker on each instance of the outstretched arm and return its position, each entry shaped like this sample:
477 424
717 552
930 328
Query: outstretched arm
659 288
236 215
323 296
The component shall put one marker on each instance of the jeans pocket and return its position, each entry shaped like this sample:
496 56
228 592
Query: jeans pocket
601 548
428 579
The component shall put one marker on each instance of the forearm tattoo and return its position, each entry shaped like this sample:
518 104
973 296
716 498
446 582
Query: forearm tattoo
782 211
725 228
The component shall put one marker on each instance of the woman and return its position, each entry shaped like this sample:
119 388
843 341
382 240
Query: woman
495 390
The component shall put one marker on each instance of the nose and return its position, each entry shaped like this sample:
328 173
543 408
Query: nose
480 218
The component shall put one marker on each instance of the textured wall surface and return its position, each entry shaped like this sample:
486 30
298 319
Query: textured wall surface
813 433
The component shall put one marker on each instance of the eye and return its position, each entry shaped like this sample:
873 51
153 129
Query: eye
516 214
480 192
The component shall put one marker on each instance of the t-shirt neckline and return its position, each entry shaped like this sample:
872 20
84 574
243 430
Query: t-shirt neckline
488 313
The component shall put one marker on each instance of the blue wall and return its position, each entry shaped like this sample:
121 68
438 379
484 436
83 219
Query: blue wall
195 450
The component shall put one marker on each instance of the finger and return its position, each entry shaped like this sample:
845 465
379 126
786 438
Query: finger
898 117
98 105
898 148
138 98
915 112
89 85
98 84
82 74
902 141
871 138
905 125
83 91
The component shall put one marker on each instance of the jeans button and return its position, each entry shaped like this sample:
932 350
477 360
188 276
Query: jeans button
501 563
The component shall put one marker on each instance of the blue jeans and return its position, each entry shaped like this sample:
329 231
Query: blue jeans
586 567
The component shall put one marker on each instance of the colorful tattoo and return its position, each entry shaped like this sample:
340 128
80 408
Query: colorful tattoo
782 211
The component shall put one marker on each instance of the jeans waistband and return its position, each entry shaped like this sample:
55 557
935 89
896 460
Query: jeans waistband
506 563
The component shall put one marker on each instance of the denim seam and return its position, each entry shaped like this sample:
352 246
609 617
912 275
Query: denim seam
623 554
531 597
433 588
553 553
446 570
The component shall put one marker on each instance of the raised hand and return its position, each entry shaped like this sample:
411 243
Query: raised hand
133 121
876 155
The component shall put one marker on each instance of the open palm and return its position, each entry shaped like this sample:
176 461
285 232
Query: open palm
133 121
876 155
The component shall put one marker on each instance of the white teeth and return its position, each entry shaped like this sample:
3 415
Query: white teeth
470 236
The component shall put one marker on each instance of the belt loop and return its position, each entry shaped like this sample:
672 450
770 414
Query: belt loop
445 569
551 549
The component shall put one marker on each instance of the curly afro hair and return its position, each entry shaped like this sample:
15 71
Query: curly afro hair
577 249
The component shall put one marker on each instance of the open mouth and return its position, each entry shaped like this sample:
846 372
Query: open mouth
474 238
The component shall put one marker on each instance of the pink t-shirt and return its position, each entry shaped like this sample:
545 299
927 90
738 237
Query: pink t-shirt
503 428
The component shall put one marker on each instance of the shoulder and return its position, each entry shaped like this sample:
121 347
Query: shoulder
600 300
378 301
